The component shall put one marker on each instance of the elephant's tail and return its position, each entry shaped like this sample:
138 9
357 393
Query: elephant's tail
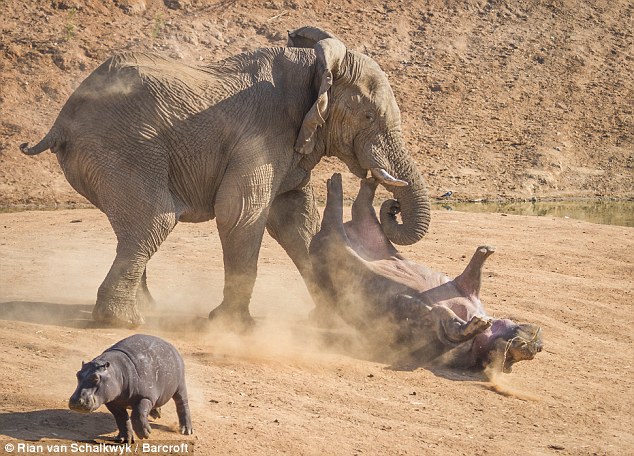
49 141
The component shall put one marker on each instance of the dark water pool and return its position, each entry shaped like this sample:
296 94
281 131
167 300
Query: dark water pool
603 212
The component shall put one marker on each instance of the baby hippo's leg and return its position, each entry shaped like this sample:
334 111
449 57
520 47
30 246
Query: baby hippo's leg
450 327
123 423
182 410
139 418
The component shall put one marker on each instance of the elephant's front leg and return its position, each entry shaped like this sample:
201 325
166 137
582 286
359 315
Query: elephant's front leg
293 221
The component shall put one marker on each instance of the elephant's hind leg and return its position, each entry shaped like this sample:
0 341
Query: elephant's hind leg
242 206
240 248
124 289
143 296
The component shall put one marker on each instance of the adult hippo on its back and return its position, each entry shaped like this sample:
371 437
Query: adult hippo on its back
398 302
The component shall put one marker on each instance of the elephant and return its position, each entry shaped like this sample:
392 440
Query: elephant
405 308
151 141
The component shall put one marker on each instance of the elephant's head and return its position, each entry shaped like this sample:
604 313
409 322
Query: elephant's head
356 118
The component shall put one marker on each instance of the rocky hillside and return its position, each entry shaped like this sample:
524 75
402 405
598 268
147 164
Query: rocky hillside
500 99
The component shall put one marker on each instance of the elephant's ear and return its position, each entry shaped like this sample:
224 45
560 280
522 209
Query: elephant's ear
330 53
307 37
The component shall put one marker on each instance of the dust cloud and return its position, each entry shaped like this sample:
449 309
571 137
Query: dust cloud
501 383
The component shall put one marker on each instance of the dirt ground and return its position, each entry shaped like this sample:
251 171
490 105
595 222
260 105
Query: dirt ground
501 100
292 389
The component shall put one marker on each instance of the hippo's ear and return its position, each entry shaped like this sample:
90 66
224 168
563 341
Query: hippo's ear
82 364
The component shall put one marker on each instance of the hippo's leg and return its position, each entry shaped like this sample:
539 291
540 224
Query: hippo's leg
123 423
449 327
333 212
326 246
182 410
140 423
155 413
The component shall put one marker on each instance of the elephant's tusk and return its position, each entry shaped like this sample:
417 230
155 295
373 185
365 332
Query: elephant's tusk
386 178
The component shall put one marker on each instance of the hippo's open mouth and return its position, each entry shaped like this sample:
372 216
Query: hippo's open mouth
523 347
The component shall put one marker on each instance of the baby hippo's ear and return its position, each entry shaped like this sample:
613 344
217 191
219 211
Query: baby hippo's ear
82 364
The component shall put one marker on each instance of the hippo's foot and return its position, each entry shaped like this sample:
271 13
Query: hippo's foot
457 331
232 318
476 326
124 438
141 428
122 315
187 429
155 413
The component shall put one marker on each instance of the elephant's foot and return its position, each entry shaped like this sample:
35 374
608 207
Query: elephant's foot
232 318
144 300
323 316
122 315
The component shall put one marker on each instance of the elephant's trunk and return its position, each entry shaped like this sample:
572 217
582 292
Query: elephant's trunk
411 201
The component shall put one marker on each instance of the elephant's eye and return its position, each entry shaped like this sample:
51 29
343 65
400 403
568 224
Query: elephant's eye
369 116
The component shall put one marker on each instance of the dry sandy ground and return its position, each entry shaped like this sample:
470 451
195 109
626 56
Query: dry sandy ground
284 389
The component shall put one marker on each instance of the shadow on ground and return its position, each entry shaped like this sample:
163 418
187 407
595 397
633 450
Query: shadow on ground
56 424
48 313
79 316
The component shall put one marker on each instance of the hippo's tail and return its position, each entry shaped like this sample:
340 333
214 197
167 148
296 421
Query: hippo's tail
50 141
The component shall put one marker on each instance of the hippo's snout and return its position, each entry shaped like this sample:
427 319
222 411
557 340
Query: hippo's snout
84 403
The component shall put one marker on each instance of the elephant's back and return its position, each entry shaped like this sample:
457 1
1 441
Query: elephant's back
132 83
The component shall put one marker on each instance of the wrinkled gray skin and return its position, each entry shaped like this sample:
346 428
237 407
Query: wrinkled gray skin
151 141
140 372
398 302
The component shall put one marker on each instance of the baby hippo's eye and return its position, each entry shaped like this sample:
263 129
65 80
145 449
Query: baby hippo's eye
94 379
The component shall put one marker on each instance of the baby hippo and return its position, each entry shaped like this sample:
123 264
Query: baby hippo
140 372
402 305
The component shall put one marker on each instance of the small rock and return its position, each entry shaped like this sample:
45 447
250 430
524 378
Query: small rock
132 7
176 4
